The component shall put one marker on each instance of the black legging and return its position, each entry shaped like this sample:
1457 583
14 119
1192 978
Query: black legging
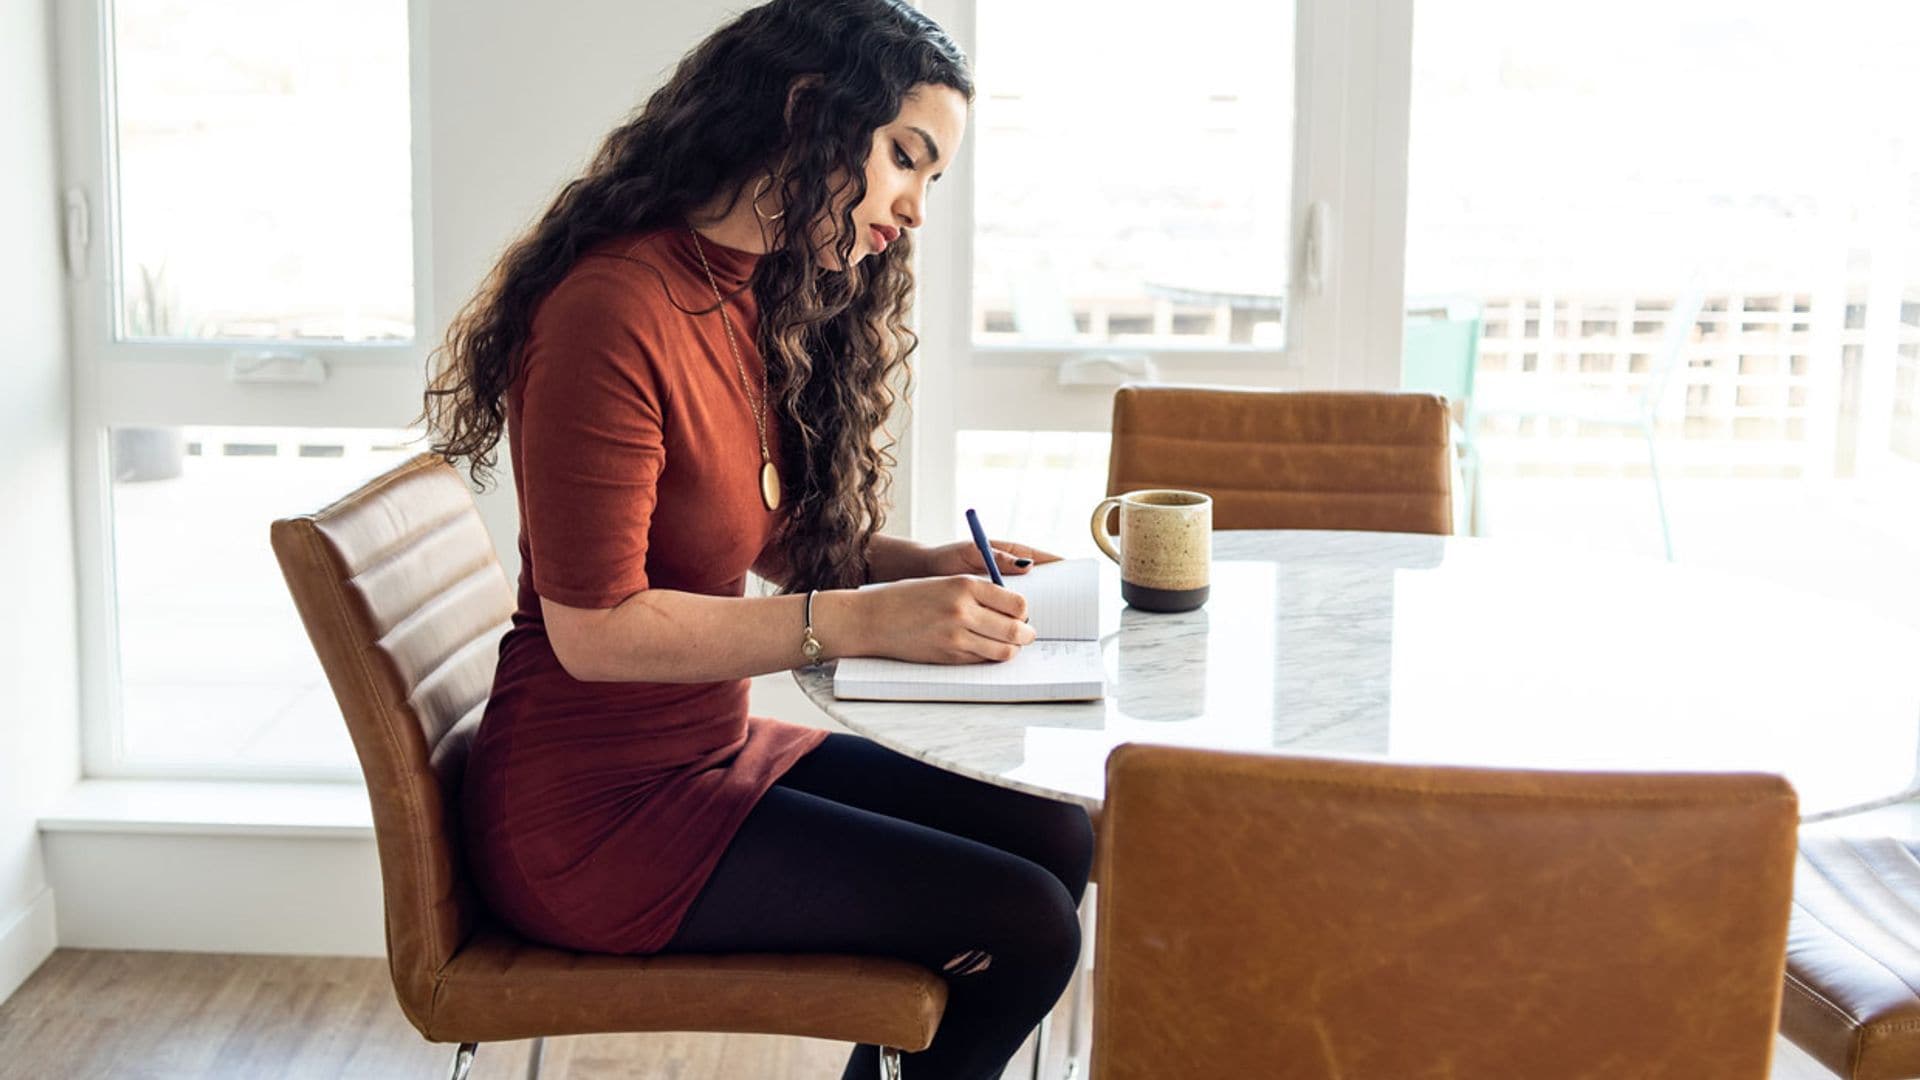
861 850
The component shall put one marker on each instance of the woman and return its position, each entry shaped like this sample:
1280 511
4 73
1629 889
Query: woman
693 351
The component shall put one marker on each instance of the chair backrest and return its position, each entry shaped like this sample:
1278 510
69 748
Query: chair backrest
1282 917
405 602
1290 459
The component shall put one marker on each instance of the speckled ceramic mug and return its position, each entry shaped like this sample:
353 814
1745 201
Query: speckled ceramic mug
1166 546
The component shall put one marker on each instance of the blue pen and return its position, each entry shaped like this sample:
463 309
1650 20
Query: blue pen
986 549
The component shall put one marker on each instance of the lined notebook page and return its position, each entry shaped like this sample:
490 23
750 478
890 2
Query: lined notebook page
1043 671
1063 599
1063 664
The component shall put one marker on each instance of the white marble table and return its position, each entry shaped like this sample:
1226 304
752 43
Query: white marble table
1453 650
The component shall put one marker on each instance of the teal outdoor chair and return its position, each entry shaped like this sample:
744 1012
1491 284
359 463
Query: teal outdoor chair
1442 356
1635 412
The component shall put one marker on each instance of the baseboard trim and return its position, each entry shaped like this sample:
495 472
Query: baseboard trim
308 895
26 942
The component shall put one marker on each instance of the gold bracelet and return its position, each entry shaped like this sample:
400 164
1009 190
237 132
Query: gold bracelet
809 644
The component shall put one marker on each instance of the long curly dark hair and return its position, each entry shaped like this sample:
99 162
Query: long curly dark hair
835 341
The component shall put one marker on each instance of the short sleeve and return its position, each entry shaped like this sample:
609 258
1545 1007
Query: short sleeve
590 439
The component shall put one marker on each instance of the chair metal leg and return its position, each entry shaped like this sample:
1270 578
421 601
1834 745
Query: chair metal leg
536 1057
1659 493
1040 1033
463 1061
1079 1012
889 1063
1476 518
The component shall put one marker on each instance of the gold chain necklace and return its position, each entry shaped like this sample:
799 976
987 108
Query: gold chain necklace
769 476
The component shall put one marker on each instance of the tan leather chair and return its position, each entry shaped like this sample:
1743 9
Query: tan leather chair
1290 459
1289 918
1853 956
405 603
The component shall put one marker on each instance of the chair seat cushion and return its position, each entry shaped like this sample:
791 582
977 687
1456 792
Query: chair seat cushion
1853 956
500 987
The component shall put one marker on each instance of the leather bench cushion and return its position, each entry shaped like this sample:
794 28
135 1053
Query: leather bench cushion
1853 956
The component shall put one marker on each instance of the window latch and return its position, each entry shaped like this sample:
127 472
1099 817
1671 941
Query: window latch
78 229
1107 369
275 366
1317 249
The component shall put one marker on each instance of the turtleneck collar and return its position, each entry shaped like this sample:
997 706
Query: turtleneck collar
732 267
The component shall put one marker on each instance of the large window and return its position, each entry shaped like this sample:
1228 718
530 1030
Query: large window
1139 194
242 200
214 666
263 175
1150 193
1584 181
1666 258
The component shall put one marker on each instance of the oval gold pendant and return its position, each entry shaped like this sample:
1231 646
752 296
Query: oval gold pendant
770 486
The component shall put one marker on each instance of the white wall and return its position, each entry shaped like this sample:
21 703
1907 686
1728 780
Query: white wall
520 96
39 735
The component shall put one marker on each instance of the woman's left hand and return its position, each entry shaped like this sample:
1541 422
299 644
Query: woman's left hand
962 557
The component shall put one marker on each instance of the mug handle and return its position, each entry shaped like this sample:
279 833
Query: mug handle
1100 534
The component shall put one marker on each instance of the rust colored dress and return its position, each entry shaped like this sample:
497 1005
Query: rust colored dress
594 812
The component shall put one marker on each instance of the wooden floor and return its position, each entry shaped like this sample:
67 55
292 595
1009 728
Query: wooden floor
87 1014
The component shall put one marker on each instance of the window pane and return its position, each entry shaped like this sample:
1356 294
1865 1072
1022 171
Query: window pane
265 184
1034 487
1133 172
215 667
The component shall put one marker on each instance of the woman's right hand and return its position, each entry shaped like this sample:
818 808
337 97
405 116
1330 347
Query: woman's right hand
943 620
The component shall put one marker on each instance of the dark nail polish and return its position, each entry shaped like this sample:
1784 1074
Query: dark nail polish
1023 562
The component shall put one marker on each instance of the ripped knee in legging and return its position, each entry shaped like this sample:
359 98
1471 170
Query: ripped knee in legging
971 962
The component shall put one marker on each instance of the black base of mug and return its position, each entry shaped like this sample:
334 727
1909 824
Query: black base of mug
1145 599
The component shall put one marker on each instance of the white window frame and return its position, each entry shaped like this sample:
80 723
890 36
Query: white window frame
1352 81
186 383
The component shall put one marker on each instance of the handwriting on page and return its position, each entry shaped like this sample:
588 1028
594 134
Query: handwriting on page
1063 664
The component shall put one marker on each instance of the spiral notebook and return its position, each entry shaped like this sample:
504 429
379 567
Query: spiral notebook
1062 664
